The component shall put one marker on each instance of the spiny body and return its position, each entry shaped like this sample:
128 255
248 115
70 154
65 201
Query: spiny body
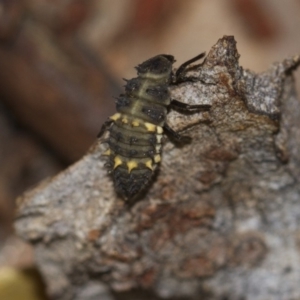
135 131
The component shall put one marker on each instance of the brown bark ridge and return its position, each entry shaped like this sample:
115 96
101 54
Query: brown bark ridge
221 219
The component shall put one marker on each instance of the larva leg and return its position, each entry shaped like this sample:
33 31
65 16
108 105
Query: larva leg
105 125
182 68
190 108
175 135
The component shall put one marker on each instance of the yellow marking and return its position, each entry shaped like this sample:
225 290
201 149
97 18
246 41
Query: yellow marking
125 120
117 161
157 148
157 158
107 152
159 130
131 165
148 164
150 127
115 117
155 76
159 138
135 124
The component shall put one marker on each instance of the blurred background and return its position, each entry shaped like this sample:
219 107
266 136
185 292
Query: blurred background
62 61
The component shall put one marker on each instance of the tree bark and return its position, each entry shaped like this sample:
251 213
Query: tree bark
221 219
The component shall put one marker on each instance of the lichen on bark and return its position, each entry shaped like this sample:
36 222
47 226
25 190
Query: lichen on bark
221 218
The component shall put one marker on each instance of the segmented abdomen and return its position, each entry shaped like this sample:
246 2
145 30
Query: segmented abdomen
136 133
133 154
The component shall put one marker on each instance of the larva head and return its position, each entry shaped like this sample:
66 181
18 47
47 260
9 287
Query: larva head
157 67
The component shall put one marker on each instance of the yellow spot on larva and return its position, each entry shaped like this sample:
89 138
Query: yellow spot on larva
107 152
124 121
131 165
159 130
150 127
157 148
135 124
148 164
117 161
157 158
115 117
158 138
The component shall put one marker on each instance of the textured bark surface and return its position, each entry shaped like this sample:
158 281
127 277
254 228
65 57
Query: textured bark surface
221 219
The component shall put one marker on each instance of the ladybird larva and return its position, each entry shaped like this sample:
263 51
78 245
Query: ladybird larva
135 131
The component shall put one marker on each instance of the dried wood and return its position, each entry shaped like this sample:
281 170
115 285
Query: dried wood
220 221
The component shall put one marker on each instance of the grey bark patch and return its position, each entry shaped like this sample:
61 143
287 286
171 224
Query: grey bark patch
222 218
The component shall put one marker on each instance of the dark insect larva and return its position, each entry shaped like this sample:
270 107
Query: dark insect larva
136 130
